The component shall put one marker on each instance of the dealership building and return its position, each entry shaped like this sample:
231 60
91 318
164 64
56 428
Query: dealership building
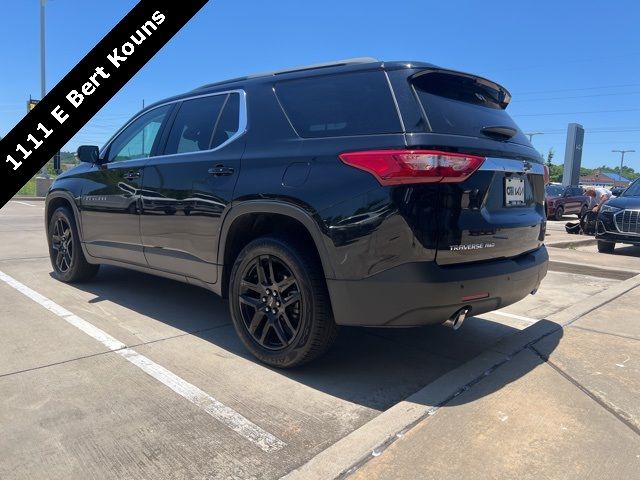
604 179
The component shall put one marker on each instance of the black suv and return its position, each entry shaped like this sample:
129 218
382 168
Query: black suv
353 193
619 220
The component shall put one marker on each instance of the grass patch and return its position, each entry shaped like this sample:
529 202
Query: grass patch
29 189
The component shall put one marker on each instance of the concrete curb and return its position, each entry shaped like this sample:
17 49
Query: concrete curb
368 440
573 313
28 198
572 243
594 271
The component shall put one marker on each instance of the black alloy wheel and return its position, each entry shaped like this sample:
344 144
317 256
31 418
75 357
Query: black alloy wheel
67 258
279 302
62 245
270 302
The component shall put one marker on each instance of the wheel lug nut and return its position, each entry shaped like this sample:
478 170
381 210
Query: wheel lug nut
277 304
274 293
264 299
268 292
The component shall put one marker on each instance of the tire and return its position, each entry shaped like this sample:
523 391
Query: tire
278 334
606 247
583 211
67 258
559 213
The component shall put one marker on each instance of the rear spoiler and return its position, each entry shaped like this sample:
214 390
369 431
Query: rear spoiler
505 95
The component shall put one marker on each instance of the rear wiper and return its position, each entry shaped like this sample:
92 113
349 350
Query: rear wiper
499 132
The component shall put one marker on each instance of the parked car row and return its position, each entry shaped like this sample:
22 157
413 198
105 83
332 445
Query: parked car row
565 200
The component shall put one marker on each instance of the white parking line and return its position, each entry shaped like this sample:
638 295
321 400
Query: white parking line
24 203
517 317
213 407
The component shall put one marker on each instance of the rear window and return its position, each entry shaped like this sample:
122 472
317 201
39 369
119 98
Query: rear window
463 105
340 105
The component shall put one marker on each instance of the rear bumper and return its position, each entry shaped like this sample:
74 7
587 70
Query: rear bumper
424 293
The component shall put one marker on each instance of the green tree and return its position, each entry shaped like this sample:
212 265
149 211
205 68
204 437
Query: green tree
550 156
555 173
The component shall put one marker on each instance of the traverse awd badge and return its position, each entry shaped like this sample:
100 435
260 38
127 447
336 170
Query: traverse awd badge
472 246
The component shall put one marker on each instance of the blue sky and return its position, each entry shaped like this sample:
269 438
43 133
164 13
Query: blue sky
564 61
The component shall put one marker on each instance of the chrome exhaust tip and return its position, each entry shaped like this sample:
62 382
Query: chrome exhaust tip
456 320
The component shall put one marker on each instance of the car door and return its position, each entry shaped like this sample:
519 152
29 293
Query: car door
186 190
576 200
109 206
567 200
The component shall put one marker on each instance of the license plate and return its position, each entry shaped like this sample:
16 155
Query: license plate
514 191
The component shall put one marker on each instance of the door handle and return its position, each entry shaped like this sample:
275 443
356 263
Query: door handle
132 175
221 170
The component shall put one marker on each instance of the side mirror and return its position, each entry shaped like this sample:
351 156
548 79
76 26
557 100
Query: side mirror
88 153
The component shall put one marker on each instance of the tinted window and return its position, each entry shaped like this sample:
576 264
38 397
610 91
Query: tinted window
461 105
138 139
340 105
553 190
633 190
193 127
229 121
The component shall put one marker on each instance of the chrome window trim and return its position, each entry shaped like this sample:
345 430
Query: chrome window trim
395 101
242 122
510 165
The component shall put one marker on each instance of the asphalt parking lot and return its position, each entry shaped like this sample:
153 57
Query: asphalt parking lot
190 402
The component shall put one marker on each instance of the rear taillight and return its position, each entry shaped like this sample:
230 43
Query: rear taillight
547 176
396 167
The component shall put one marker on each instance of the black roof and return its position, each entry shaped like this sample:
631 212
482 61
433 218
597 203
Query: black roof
349 65
352 64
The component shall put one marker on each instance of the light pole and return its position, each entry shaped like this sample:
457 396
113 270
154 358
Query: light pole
43 80
533 134
622 152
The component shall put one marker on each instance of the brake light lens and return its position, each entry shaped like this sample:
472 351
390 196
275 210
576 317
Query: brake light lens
398 167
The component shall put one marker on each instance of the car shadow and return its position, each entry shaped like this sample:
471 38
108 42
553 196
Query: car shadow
627 250
375 368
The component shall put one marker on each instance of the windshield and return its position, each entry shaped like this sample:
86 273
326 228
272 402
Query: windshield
553 190
633 190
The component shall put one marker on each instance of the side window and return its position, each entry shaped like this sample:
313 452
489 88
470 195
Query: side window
137 140
340 105
202 124
229 121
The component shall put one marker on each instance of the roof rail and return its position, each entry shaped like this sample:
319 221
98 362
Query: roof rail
337 63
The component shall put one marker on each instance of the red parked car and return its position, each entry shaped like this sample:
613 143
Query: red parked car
563 200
